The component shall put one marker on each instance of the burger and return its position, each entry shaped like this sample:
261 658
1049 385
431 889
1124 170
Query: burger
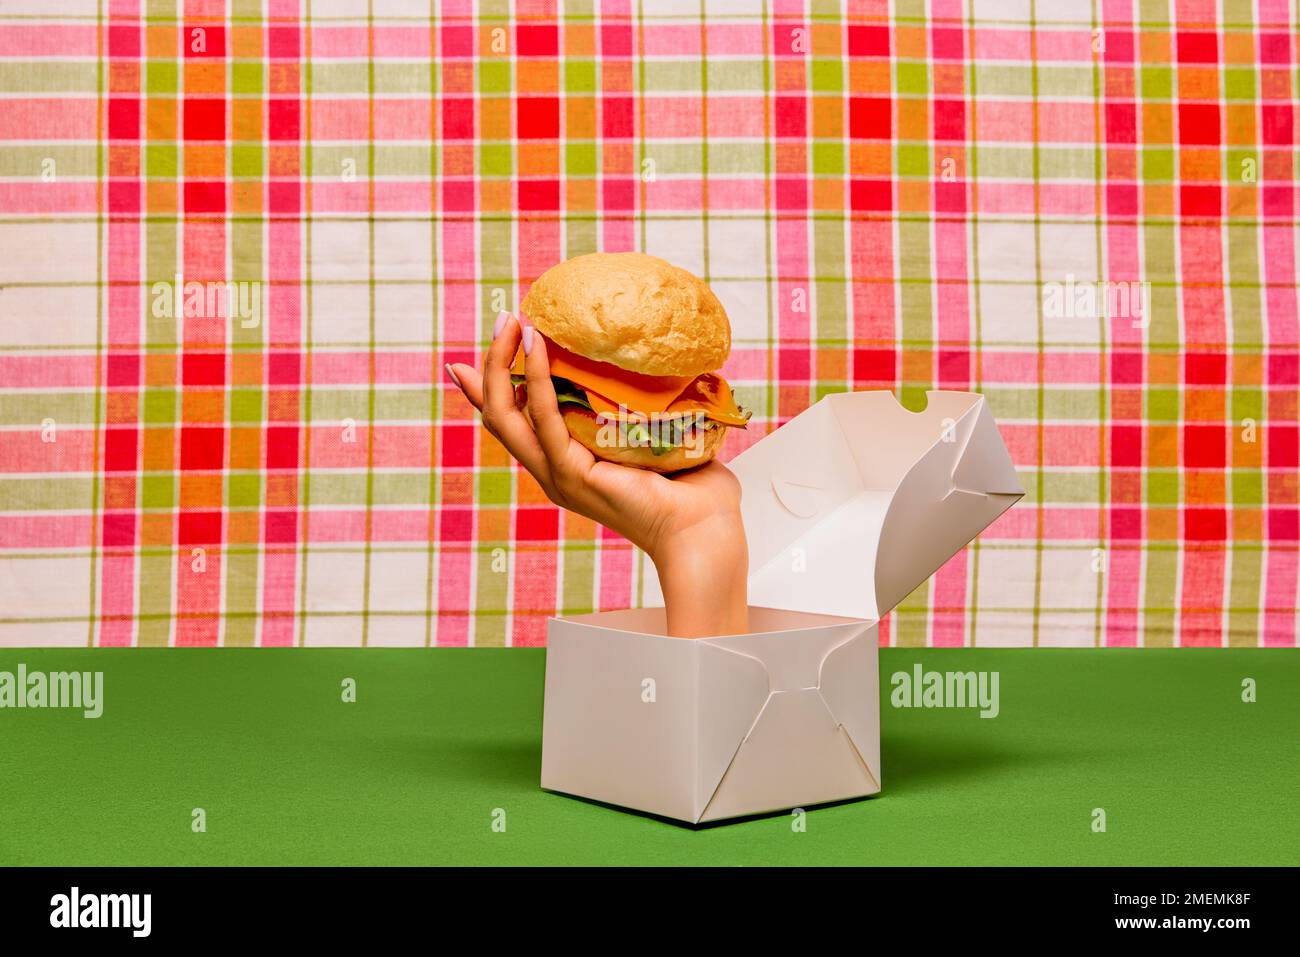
634 343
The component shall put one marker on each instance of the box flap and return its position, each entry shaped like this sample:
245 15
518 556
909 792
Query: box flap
763 717
856 501
796 754
957 489
732 690
850 685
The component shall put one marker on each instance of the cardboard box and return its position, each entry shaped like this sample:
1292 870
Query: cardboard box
847 508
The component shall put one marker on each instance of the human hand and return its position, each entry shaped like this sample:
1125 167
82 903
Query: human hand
688 523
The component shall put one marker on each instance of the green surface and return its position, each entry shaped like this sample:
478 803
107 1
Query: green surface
411 773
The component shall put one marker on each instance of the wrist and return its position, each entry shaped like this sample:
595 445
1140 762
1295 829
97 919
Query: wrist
703 572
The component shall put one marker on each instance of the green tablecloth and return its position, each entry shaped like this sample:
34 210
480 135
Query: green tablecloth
286 773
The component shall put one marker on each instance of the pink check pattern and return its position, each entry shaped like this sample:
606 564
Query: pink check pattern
905 196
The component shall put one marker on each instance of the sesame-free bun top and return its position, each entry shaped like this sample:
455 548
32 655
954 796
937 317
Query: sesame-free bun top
631 310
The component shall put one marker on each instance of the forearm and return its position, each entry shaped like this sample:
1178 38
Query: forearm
703 573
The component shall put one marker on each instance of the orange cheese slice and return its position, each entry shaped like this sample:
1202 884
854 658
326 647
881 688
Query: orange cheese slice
708 394
607 386
643 393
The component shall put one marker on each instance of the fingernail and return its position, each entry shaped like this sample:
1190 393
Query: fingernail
451 374
528 340
501 324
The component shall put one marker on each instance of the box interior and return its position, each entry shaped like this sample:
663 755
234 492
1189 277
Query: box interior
821 493
818 491
652 621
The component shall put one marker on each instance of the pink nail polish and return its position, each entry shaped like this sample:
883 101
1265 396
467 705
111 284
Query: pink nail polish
501 324
528 340
451 374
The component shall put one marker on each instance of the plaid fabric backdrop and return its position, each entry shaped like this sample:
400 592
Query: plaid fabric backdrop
883 195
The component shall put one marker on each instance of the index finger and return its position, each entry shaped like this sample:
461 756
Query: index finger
542 403
494 398
498 393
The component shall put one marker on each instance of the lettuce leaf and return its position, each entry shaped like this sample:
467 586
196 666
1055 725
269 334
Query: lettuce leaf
565 391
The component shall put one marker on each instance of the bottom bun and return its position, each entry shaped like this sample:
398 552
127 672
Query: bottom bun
583 426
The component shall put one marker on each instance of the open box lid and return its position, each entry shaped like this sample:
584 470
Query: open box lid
855 502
